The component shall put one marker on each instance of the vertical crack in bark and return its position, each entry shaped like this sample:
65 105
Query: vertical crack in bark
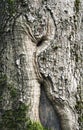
35 39
48 116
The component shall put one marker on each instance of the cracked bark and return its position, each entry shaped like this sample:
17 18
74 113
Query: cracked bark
39 49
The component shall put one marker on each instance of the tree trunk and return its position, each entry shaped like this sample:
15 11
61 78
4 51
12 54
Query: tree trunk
41 60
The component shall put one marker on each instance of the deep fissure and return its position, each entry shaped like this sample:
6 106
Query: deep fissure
48 116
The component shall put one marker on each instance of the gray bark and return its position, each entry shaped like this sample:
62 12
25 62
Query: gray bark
41 55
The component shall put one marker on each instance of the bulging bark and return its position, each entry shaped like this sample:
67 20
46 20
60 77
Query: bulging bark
41 56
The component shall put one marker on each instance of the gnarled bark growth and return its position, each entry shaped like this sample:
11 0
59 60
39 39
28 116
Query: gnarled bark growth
40 44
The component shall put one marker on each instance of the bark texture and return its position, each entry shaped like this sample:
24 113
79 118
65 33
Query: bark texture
41 59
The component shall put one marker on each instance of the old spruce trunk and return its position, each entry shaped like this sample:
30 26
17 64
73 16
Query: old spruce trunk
41 61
